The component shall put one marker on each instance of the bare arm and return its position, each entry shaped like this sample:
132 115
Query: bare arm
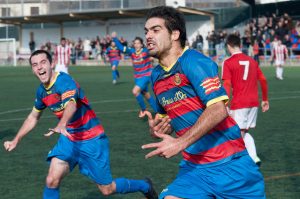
69 111
170 146
29 123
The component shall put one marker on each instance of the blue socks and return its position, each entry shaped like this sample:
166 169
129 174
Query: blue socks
141 102
51 193
124 185
152 103
114 75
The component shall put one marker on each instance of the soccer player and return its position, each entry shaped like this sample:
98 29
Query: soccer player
62 55
215 161
242 73
82 141
113 53
142 71
280 54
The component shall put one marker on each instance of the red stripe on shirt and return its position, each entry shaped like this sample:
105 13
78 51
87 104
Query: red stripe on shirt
51 99
86 135
142 62
138 56
170 82
225 124
143 75
217 153
183 106
90 114
142 68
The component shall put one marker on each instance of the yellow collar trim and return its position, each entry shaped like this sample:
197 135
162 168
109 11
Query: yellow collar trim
52 82
167 69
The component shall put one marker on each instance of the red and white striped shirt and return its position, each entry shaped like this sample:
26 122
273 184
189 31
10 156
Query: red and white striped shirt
62 55
279 52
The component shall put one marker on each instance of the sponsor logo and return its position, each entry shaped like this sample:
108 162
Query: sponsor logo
179 95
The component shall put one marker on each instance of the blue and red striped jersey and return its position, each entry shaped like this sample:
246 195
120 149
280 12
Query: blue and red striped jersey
113 53
84 124
141 60
183 91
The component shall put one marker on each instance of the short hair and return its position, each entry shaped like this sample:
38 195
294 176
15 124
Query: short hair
63 38
139 39
233 40
37 52
174 20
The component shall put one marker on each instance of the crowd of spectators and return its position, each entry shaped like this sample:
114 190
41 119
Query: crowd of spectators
257 38
86 49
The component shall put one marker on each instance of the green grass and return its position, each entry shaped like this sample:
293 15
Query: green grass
23 171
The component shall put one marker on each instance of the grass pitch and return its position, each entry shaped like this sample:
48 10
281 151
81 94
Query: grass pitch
23 171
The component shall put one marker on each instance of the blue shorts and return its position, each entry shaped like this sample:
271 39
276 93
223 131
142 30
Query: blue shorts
238 178
92 157
114 63
143 83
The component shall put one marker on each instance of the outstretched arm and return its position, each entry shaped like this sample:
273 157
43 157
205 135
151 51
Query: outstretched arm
122 48
170 146
29 123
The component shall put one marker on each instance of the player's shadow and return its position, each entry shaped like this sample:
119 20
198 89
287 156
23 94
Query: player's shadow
6 133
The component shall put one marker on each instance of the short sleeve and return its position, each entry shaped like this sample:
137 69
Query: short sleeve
38 103
68 90
202 73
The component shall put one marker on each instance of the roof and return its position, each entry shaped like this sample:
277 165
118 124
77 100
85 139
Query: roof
91 15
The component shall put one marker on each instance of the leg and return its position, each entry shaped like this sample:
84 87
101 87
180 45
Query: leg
114 73
107 189
57 171
95 164
250 145
150 100
136 91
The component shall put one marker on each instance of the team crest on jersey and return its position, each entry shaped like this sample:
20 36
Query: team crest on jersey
177 79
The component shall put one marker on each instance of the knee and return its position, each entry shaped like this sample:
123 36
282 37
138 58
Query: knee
52 182
135 92
106 190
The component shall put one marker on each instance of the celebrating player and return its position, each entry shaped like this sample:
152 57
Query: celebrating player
62 56
187 87
113 54
242 73
280 54
82 140
142 71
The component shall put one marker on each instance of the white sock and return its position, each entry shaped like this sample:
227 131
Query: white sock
280 72
277 72
250 145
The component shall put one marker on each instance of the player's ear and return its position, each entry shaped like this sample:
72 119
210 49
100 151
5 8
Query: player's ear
175 35
52 65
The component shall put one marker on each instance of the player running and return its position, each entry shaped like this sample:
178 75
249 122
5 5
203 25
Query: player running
82 141
241 73
142 71
113 53
187 87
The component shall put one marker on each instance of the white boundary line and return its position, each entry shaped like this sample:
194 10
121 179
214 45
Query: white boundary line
110 112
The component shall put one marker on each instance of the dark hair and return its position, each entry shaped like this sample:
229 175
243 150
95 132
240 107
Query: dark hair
37 52
174 20
140 39
63 38
233 40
